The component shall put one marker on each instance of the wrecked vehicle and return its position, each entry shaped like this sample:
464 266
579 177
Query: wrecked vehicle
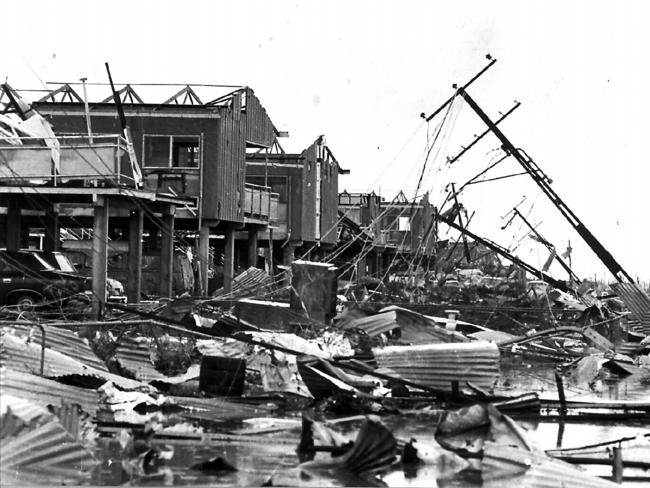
29 281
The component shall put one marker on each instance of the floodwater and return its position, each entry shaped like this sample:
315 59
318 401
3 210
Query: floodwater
263 457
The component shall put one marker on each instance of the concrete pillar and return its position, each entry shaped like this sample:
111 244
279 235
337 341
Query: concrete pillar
99 255
167 252
52 230
252 246
204 256
134 280
14 226
229 259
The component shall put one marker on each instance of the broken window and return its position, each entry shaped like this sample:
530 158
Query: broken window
171 151
404 223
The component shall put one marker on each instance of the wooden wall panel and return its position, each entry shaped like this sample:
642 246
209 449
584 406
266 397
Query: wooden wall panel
259 128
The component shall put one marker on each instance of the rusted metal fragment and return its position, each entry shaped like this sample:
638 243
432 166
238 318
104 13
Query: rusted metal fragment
438 365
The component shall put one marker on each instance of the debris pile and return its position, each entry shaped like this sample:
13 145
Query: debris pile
141 385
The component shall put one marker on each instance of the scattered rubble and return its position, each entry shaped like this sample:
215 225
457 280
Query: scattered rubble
169 380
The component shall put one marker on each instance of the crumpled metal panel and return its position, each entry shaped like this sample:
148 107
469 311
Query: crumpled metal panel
43 391
19 355
46 455
251 282
66 342
510 466
217 409
134 356
415 327
437 365
637 301
374 325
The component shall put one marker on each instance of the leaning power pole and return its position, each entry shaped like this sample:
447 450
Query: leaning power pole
544 183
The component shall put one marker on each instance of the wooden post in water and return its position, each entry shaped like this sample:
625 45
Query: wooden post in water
560 392
617 464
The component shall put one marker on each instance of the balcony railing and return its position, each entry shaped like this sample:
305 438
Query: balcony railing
31 162
260 202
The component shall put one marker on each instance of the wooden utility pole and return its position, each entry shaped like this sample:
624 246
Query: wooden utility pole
544 182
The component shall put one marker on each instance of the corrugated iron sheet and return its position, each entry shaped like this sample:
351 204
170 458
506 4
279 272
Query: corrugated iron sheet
415 328
18 415
250 283
134 357
637 301
374 325
437 365
217 409
46 454
65 341
43 391
19 355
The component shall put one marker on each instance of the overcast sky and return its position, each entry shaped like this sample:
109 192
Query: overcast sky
362 72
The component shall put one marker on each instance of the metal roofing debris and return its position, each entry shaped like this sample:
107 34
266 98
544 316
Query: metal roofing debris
414 327
43 391
637 301
134 357
191 373
437 365
322 379
18 415
374 325
217 409
66 342
374 449
19 354
290 341
249 283
260 313
42 453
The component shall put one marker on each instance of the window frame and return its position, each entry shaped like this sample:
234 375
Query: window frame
170 152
